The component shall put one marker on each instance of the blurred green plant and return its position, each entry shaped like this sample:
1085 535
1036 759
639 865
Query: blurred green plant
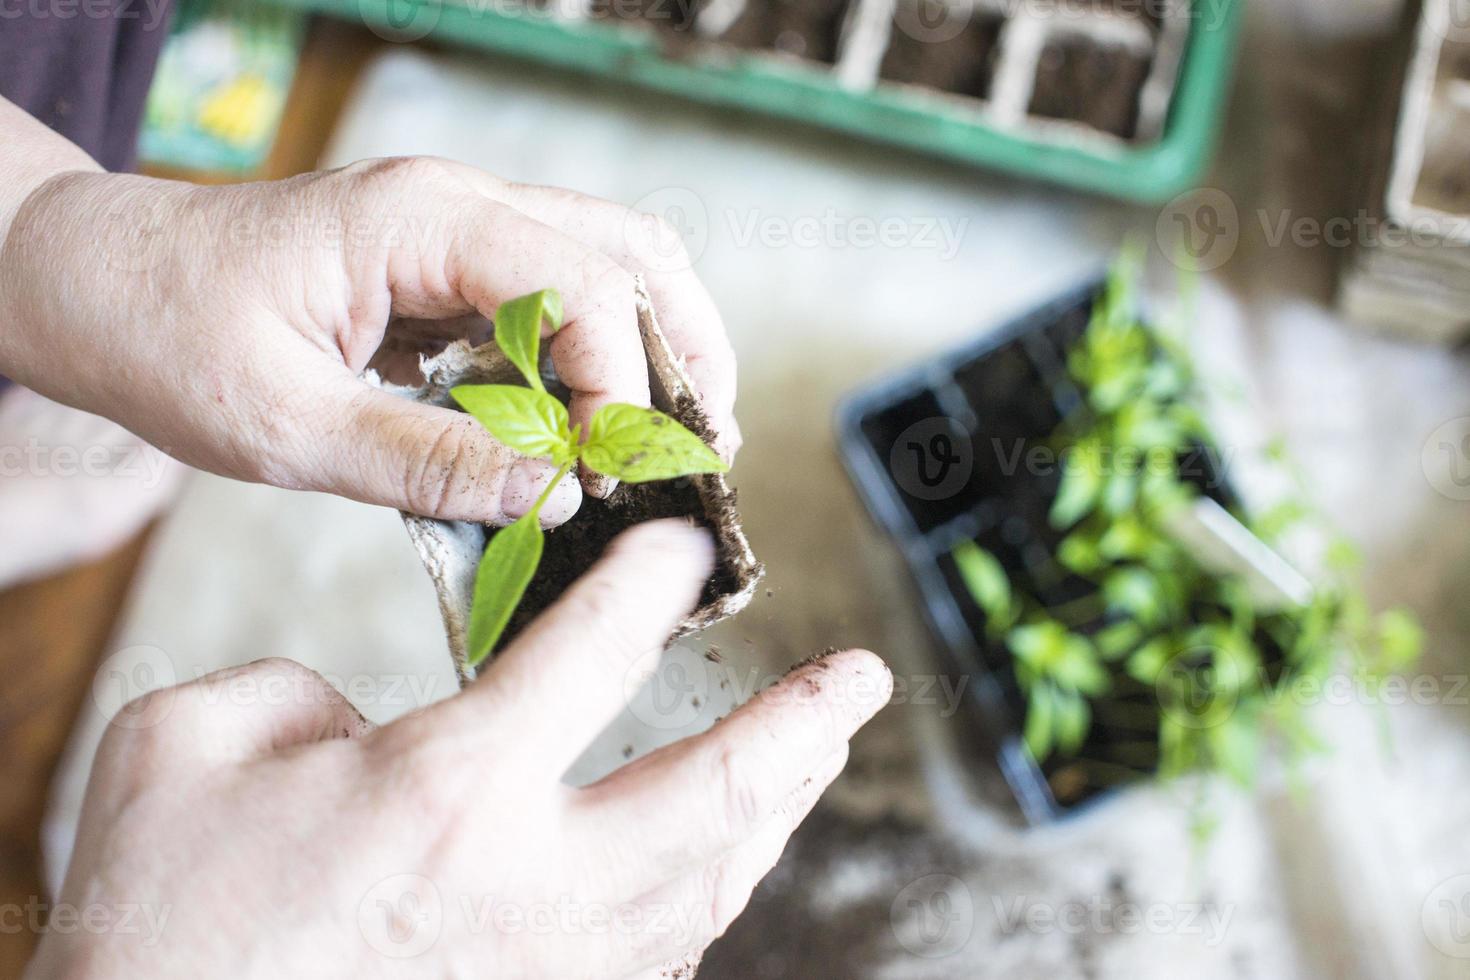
1217 672
632 444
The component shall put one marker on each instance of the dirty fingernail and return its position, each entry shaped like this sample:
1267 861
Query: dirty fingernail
529 479
598 485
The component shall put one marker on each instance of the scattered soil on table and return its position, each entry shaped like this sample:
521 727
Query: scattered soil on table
963 64
804 28
786 932
1093 84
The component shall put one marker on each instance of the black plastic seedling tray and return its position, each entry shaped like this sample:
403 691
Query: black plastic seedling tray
939 454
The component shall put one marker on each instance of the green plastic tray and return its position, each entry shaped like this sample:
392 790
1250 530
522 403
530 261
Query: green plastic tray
791 90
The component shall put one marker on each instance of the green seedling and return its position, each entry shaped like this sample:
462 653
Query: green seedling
626 442
1161 649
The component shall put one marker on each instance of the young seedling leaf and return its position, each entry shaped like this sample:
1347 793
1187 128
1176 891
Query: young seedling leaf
1149 660
1037 644
1234 746
1082 480
1137 593
1077 667
1073 718
1040 714
1400 639
1120 493
1126 539
518 331
986 582
1119 639
637 445
530 422
506 569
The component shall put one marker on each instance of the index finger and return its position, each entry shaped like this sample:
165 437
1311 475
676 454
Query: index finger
698 798
501 254
651 246
562 679
645 244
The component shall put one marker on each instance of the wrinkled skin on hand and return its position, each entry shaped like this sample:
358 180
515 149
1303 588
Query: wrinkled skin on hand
228 325
280 836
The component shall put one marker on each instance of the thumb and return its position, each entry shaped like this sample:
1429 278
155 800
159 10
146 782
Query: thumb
230 715
378 448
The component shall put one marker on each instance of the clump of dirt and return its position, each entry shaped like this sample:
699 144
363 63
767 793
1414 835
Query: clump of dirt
813 660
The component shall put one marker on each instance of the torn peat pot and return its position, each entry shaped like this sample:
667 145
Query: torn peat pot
451 550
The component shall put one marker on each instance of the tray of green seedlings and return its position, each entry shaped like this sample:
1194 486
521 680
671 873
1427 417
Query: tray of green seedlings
1122 97
1085 565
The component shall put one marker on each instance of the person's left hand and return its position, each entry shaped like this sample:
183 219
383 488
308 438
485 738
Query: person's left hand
228 325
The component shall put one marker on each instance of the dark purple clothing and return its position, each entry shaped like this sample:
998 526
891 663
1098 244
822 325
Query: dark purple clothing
83 68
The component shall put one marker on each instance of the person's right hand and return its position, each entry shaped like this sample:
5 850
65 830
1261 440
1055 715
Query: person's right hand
290 839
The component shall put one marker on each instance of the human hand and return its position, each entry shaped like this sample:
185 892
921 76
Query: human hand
292 834
228 325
